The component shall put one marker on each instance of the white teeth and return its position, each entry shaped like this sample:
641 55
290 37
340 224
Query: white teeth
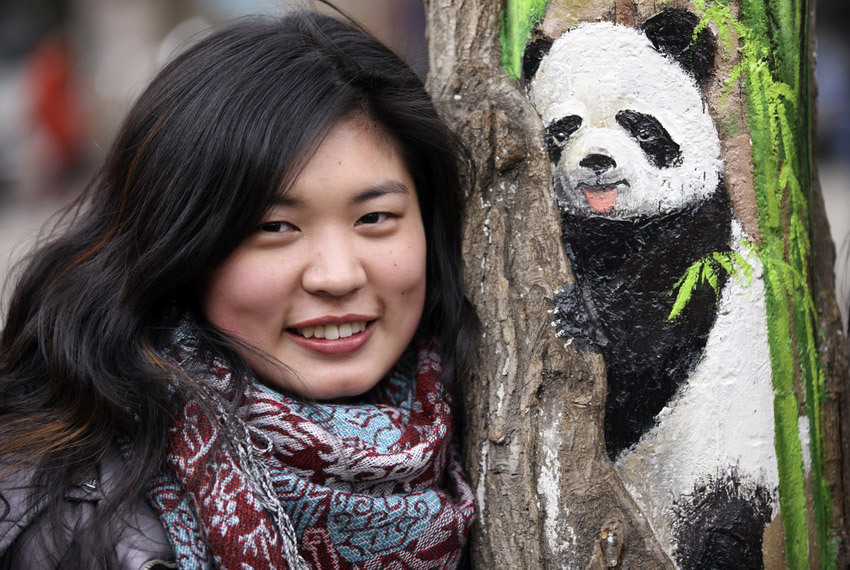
333 332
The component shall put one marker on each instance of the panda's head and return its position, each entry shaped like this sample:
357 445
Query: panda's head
627 130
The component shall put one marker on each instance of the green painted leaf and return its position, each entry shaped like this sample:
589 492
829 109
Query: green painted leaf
709 275
518 21
745 267
725 262
685 290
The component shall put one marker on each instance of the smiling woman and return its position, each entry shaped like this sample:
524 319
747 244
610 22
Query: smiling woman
332 283
241 351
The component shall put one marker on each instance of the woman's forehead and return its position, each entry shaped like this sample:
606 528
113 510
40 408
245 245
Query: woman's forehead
354 164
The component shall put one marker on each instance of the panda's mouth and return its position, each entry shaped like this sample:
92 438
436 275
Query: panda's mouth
601 197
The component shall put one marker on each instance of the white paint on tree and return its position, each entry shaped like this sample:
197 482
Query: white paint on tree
504 373
721 418
803 431
560 537
500 391
599 69
482 476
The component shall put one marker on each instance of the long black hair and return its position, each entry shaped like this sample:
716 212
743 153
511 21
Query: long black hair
219 131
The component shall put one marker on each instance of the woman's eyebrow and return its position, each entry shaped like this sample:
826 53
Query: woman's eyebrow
380 189
278 200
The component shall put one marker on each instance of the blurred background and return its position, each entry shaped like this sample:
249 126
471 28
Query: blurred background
69 70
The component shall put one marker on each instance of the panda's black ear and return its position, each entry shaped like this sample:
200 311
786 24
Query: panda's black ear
534 54
671 31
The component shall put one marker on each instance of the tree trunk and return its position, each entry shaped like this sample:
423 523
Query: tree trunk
835 352
548 494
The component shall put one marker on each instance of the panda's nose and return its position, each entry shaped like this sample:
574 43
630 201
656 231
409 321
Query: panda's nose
598 163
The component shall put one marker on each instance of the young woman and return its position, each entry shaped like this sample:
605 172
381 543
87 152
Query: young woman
240 350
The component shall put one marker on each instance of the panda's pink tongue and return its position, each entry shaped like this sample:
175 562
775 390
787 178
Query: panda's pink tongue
601 199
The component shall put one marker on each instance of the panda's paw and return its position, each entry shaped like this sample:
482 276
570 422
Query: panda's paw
574 319
721 524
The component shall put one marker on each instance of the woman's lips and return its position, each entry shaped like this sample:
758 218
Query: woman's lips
332 331
338 346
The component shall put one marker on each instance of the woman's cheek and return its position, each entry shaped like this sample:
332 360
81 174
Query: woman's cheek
242 294
410 267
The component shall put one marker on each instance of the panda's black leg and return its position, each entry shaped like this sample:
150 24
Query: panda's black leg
720 525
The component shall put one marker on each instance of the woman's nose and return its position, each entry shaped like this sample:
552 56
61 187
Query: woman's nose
334 269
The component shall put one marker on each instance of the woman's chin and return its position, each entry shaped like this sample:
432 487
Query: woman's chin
322 389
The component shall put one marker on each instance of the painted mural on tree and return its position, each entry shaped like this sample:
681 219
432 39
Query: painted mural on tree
638 180
705 327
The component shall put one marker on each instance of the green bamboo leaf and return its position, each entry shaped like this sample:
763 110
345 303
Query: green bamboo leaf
786 134
784 173
732 81
798 200
774 128
695 266
685 290
775 44
518 19
780 91
725 262
745 267
710 275
798 239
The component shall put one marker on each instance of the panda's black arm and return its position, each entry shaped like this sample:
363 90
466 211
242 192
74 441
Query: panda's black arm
575 318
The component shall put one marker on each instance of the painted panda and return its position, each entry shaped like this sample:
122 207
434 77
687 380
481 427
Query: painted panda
637 174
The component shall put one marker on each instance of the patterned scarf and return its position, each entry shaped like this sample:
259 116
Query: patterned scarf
283 483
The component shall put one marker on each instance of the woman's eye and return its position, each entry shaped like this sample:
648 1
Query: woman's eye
276 227
373 218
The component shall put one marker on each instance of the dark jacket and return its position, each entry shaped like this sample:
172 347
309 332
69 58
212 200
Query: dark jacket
28 542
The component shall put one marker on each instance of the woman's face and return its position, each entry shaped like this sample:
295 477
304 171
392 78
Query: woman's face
332 283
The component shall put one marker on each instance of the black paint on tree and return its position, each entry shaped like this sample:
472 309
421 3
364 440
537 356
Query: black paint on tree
720 525
626 271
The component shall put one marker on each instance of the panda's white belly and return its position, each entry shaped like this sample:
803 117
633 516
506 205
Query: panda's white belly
721 420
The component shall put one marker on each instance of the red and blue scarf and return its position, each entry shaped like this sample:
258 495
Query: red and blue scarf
375 484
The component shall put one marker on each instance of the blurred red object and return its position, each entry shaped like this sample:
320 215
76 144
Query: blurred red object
55 108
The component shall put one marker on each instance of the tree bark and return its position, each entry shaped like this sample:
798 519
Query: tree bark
547 494
835 352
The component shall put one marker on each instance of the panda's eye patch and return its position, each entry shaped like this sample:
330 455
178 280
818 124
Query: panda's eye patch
557 133
654 139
